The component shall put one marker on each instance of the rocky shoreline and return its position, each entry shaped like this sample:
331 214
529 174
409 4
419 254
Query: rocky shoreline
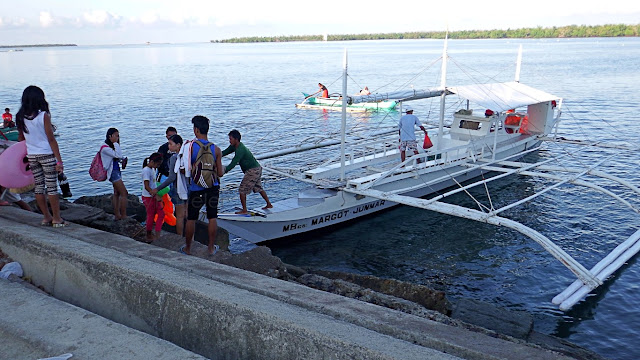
517 326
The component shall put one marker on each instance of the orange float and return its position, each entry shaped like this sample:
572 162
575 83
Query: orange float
169 218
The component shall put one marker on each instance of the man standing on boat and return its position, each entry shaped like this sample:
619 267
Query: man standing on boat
250 167
407 133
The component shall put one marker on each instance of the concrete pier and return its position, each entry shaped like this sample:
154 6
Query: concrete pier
171 303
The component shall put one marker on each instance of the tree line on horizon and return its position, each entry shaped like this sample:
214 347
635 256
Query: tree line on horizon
570 31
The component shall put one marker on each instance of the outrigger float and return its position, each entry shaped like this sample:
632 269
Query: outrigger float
367 176
335 103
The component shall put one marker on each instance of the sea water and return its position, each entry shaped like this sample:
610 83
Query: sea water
142 89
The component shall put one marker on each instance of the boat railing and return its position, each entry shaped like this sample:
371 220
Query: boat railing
421 163
432 161
358 157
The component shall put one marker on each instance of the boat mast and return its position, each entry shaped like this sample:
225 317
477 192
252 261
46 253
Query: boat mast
343 127
518 64
444 92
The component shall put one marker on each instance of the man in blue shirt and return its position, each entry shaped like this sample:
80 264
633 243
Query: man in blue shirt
198 195
407 132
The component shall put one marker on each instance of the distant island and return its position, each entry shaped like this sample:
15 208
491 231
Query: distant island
571 31
37 45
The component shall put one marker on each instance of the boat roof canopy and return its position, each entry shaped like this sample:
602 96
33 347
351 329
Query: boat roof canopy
502 96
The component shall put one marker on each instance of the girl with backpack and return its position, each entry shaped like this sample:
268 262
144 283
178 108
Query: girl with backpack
152 202
175 179
34 126
111 156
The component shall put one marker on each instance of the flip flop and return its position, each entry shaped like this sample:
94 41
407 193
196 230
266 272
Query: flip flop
59 225
215 250
182 249
46 223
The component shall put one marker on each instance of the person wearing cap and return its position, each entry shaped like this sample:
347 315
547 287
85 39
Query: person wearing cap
406 130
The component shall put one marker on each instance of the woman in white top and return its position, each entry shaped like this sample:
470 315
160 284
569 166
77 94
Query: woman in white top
34 126
111 156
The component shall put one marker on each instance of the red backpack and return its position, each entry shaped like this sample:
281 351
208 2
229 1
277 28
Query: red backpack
97 170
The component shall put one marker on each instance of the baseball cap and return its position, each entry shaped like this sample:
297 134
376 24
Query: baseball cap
408 109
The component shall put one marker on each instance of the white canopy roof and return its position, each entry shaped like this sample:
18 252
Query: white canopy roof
502 96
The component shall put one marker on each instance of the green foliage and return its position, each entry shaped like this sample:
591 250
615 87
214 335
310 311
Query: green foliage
571 31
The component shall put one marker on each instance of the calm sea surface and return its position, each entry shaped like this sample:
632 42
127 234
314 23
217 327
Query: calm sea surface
253 87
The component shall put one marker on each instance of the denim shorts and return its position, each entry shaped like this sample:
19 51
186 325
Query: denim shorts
173 194
115 173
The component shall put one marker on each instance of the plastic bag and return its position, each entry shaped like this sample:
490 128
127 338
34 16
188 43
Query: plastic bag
11 268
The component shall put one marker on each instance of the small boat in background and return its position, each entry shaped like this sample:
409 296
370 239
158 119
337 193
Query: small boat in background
312 102
10 133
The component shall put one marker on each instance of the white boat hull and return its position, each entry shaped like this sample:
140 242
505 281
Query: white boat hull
299 215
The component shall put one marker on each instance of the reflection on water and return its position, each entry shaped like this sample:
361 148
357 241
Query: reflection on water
253 87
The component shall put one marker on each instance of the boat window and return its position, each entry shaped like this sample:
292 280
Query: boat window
471 125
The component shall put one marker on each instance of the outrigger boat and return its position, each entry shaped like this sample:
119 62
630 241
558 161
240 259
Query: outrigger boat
9 133
368 176
12 134
312 102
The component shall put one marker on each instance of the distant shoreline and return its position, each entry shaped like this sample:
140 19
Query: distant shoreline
36 45
571 31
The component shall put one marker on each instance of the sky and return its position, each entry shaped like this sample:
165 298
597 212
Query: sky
101 22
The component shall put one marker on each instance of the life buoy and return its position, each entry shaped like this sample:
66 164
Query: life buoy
512 120
524 126
15 167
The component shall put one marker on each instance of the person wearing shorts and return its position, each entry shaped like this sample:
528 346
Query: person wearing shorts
251 182
8 198
406 130
199 196
111 156
34 126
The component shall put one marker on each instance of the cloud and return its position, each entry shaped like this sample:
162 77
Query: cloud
100 18
45 19
149 18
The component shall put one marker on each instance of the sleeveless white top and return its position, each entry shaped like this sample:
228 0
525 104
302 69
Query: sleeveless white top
36 138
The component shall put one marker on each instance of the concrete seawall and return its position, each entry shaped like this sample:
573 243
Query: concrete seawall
222 312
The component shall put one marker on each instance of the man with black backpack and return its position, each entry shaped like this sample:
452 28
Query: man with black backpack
205 172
